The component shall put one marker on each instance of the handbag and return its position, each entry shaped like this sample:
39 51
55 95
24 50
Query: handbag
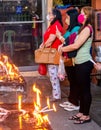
68 62
42 69
47 56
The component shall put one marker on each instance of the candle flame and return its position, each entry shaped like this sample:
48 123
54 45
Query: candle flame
38 93
20 122
19 102
54 108
41 118
48 103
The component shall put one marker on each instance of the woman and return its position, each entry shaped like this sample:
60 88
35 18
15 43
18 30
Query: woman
83 65
50 39
68 38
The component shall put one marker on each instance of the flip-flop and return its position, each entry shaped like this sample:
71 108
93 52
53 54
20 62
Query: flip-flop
81 121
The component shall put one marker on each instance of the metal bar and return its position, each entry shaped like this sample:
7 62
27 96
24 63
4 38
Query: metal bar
17 22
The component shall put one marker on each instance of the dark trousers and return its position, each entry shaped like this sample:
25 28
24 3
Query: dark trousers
83 85
73 95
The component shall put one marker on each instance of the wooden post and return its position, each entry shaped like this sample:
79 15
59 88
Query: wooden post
96 4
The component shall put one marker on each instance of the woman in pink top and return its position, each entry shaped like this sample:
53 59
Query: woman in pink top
83 64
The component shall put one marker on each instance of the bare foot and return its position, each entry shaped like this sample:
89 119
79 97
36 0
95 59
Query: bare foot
79 114
83 117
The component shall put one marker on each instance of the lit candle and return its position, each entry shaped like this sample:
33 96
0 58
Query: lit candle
38 92
48 103
19 102
54 108
48 110
20 122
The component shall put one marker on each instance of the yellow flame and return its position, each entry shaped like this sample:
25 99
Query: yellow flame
48 103
10 72
45 117
37 108
19 102
26 117
54 108
39 117
20 122
9 69
38 92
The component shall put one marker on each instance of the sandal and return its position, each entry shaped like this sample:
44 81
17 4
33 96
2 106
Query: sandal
82 121
75 117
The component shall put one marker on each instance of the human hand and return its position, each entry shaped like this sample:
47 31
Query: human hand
41 45
97 66
60 48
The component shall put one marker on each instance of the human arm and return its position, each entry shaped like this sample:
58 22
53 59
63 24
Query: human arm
82 37
50 40
59 36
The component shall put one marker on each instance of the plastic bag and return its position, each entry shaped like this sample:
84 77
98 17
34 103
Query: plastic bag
61 70
42 69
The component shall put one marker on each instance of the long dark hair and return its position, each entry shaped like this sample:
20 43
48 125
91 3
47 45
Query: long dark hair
73 14
58 17
89 11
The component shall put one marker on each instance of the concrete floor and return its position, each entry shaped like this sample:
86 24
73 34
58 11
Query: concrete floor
59 120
